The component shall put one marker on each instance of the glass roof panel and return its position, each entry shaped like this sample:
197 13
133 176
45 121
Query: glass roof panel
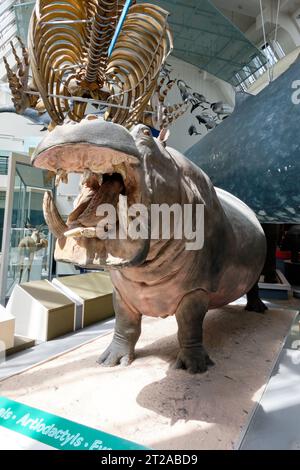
204 37
23 14
14 21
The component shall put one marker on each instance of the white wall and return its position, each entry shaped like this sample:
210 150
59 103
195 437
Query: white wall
17 133
5 95
66 194
288 34
3 182
286 41
201 82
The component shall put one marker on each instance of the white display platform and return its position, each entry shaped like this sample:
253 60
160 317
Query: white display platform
277 291
42 313
65 269
7 329
10 440
92 294
151 403
78 301
282 285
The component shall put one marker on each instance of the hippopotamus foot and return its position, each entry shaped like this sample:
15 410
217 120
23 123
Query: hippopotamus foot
195 360
190 315
116 354
254 303
126 334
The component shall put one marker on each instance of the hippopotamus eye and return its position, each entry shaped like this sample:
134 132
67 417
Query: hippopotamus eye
147 132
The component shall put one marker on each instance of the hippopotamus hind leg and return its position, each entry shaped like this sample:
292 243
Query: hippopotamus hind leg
190 315
254 303
126 334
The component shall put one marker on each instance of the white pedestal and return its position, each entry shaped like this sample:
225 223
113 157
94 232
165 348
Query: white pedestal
65 269
7 329
42 313
92 293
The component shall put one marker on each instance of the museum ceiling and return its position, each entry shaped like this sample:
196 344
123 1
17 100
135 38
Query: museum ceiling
204 36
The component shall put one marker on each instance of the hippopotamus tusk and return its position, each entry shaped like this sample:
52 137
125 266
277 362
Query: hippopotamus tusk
155 276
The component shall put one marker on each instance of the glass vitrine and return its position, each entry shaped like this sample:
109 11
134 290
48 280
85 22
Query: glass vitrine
27 242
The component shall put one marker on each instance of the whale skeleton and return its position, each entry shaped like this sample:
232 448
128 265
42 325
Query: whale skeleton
71 62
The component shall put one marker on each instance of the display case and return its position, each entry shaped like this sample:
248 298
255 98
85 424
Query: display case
27 245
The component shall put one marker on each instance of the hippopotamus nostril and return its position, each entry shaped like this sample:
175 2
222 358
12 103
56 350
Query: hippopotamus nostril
155 276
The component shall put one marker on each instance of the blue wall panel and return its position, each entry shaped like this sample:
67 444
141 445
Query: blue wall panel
255 153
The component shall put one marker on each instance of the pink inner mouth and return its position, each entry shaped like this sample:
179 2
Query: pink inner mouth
92 195
78 157
106 175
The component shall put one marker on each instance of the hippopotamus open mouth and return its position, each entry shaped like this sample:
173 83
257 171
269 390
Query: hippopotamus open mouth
111 166
155 275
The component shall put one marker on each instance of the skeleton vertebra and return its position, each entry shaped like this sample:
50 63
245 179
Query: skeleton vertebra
69 60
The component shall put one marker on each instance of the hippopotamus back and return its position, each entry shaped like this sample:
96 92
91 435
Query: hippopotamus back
151 275
226 267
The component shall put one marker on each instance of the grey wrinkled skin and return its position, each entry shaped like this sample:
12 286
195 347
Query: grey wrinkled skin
168 279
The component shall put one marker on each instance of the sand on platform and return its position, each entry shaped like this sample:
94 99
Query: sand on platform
149 402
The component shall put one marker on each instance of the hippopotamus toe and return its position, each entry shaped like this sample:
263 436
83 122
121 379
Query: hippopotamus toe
256 305
194 361
114 355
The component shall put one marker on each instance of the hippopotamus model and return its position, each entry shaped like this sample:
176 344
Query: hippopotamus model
154 277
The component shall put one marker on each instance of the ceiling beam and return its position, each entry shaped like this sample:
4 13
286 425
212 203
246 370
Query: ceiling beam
6 5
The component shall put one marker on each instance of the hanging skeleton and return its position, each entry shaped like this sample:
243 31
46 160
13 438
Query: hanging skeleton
68 53
27 247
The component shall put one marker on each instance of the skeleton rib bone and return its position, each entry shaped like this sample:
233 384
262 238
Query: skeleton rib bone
69 58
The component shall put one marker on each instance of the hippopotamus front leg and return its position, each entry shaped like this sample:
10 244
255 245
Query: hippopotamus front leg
127 332
190 315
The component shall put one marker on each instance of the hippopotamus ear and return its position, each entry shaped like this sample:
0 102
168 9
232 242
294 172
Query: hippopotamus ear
90 117
163 136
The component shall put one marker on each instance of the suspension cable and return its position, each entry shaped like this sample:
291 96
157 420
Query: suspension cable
275 34
264 34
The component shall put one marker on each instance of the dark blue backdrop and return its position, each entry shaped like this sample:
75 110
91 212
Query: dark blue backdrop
255 153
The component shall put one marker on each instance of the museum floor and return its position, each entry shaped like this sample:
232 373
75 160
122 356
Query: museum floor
161 408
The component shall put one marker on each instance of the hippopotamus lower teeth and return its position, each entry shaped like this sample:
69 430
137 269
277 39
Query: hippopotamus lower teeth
113 260
83 220
87 232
